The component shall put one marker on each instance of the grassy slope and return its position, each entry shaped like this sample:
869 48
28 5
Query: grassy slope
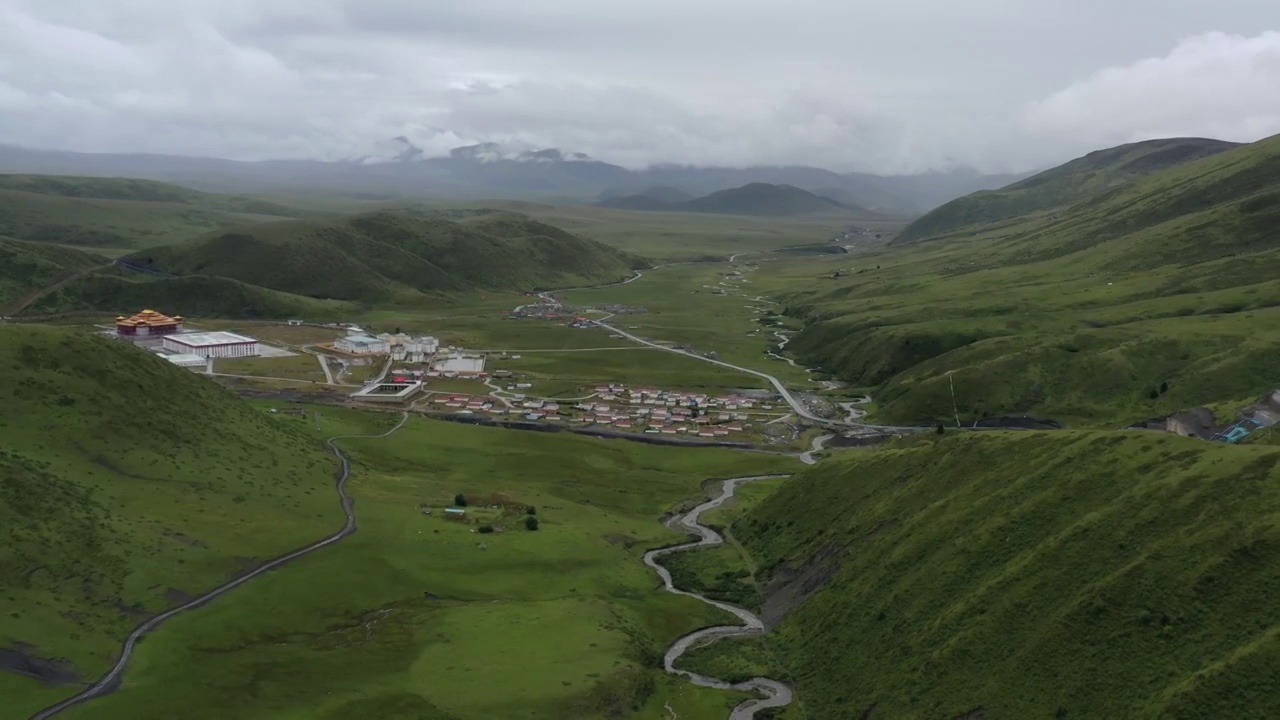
766 199
1063 186
1168 279
112 213
27 267
411 618
1065 575
123 478
195 296
680 236
376 256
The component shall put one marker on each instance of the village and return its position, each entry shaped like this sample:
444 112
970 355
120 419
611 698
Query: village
646 410
411 365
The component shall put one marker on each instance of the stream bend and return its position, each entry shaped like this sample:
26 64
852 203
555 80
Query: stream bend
774 694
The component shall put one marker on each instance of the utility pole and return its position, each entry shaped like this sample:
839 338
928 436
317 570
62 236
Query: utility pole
954 408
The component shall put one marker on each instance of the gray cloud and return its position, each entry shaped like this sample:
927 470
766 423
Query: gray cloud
845 84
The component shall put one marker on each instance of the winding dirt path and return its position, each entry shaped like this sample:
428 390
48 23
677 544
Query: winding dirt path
110 681
774 694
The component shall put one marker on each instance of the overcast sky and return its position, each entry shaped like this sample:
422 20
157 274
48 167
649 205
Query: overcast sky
890 87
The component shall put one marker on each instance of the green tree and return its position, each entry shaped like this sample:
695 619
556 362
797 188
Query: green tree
531 510
460 500
530 522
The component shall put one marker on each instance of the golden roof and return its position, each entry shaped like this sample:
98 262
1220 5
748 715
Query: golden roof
150 318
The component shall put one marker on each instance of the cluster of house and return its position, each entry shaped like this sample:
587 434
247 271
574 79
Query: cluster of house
399 346
645 410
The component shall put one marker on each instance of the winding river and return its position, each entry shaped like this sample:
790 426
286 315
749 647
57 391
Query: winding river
773 693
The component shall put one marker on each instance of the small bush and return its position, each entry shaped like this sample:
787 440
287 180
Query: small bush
530 522
460 500
485 529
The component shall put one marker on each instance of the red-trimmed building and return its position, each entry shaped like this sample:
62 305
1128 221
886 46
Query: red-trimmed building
148 323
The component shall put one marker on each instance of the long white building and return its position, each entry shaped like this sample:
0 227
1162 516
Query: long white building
212 344
362 345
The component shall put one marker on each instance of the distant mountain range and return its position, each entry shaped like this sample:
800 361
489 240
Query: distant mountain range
398 168
750 199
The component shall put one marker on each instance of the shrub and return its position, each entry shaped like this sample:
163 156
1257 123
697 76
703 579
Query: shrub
485 529
460 500
530 522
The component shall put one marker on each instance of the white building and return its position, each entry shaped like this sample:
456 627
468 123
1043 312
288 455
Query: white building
186 361
212 345
362 345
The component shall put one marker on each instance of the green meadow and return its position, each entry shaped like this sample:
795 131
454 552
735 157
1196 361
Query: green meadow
418 616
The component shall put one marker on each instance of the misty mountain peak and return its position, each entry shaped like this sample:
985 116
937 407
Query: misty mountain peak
399 149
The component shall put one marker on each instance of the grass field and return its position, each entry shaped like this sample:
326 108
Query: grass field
683 310
127 484
297 367
668 237
417 616
1069 574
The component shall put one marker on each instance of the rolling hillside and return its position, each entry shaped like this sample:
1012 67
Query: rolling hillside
127 484
122 292
1027 575
119 213
752 199
26 268
1064 186
384 255
1164 282
654 198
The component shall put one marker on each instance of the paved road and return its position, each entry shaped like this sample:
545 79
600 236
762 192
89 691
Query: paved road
109 682
775 694
797 407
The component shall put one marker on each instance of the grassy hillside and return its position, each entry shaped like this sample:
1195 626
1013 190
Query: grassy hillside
753 199
1028 575
654 198
1063 186
197 295
26 268
114 214
764 199
126 484
681 236
1166 281
382 255
418 616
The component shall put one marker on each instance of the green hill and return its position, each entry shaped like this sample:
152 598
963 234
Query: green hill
381 255
753 199
123 292
1063 186
26 268
654 198
765 199
126 484
1147 298
1027 575
121 213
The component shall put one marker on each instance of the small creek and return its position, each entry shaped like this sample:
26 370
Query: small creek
773 693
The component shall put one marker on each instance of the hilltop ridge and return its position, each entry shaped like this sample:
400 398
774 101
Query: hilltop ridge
751 199
1068 184
379 255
